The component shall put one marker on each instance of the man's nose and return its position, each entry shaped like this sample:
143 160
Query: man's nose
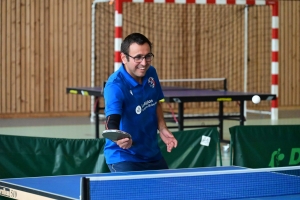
144 61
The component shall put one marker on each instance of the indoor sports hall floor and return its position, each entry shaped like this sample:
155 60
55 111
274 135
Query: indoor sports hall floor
82 128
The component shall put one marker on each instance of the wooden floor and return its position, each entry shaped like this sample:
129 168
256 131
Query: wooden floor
83 128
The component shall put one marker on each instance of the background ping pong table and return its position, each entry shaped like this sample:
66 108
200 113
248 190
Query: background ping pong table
181 95
194 183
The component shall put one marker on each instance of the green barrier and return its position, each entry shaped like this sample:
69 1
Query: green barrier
189 152
35 156
22 156
265 146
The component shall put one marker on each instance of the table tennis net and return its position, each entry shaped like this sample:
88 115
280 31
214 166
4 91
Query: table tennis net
200 83
229 184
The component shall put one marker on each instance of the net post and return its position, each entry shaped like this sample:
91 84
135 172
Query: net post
84 188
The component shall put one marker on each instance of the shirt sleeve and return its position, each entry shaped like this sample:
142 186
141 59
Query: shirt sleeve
113 97
158 87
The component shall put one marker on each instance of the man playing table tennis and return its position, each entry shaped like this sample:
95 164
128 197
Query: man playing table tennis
132 96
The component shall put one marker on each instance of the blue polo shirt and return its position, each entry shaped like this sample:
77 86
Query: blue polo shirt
136 103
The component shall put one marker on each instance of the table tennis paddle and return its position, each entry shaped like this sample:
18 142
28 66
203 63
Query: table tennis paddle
115 135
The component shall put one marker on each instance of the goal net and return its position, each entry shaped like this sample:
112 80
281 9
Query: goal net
192 41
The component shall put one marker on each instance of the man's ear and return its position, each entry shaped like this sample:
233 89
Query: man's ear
124 58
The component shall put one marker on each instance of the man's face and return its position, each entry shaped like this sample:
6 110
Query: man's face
137 69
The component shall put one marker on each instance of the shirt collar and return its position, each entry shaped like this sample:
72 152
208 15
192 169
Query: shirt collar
129 78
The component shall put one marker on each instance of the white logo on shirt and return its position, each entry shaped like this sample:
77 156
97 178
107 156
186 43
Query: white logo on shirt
145 105
138 110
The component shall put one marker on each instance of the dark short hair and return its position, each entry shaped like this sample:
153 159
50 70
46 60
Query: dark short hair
134 38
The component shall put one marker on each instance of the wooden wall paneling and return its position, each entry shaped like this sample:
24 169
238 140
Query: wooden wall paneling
287 29
8 57
297 54
45 47
79 39
27 52
52 16
156 50
3 15
170 61
84 67
193 29
35 68
182 63
252 44
259 50
252 66
56 70
292 36
282 61
41 92
264 52
197 69
69 58
58 57
233 56
204 42
3 46
165 54
263 67
63 51
167 70
87 51
295 90
288 48
266 48
51 54
18 85
82 54
267 24
1 50
13 57
46 63
191 43
285 53
60 69
176 68
74 52
230 42
23 57
78 58
31 66
213 40
64 54
289 68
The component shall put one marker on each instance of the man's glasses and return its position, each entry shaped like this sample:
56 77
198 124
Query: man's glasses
140 58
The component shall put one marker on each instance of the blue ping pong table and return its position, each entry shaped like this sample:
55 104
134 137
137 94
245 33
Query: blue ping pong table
226 182
181 95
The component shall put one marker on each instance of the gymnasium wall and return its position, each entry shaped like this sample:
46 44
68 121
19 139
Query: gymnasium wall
45 46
